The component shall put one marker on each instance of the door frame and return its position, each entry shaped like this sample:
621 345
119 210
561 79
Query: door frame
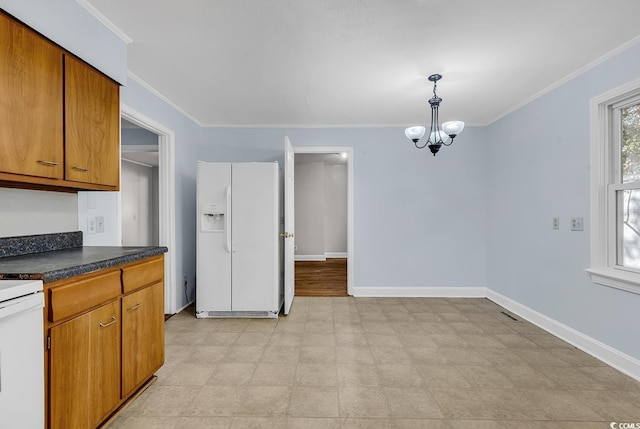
166 199
349 151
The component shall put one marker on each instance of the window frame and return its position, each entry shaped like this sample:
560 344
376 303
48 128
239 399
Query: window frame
606 180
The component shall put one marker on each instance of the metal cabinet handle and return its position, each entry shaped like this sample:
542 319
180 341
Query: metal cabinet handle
113 320
47 163
134 307
80 169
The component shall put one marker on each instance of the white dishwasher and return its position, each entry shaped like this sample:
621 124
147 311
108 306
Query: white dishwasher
21 354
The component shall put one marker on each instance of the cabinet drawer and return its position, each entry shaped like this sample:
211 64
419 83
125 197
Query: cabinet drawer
141 275
74 298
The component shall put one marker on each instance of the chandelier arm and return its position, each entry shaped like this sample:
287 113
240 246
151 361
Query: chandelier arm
450 142
421 147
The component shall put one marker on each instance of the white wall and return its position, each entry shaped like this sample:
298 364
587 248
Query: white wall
136 201
25 212
309 209
99 203
335 210
321 209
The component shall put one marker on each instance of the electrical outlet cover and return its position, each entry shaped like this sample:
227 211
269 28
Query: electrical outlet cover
577 224
99 224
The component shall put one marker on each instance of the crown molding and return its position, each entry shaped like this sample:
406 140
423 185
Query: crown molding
104 20
567 78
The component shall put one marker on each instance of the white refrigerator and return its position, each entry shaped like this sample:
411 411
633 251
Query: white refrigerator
239 254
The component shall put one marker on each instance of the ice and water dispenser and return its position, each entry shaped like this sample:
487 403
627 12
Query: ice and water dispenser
212 218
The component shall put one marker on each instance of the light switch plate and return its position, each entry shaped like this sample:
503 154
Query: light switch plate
91 225
577 224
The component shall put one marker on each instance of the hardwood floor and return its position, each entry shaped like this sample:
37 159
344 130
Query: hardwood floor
321 278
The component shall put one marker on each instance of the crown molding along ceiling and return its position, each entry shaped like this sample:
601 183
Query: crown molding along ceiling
352 63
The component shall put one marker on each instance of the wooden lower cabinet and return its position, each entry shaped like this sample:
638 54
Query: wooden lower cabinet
142 336
84 368
103 343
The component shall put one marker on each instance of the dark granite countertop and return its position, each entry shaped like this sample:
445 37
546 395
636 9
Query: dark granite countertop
51 257
60 264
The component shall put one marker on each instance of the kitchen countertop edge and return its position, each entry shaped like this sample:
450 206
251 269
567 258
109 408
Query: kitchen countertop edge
72 271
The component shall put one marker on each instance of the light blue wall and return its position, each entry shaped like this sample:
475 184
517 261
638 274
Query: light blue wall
538 169
72 27
138 136
187 137
419 220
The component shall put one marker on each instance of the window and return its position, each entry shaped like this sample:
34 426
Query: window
615 188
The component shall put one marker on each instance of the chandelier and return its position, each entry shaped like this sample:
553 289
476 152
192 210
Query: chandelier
438 136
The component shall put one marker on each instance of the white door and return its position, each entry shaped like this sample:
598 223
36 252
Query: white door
289 222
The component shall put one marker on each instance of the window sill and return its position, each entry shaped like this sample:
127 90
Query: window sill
618 279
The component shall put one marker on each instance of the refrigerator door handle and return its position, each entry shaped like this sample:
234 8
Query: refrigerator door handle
227 230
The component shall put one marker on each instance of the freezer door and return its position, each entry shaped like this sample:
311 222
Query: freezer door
255 231
213 237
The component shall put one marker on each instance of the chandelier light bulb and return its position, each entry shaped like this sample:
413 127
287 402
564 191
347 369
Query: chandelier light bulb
415 133
433 138
453 128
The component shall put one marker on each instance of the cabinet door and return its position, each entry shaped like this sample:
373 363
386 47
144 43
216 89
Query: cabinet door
84 368
92 125
69 362
104 386
142 335
31 133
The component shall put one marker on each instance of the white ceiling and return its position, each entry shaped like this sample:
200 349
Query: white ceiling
362 62
326 158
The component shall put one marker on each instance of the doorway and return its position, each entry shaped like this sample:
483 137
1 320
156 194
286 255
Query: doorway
139 206
324 221
164 142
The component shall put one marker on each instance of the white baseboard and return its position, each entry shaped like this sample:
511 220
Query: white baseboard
612 357
310 257
421 292
330 255
185 306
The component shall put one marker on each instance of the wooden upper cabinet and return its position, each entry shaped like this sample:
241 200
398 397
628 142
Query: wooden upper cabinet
31 103
92 125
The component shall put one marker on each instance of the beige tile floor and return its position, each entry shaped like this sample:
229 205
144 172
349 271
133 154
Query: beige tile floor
378 363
